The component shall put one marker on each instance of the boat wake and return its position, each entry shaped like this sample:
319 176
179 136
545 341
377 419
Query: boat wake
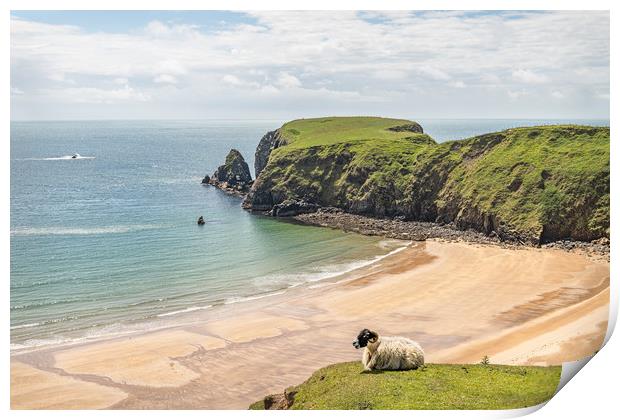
67 157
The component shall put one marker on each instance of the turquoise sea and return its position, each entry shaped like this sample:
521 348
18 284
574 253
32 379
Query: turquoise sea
108 242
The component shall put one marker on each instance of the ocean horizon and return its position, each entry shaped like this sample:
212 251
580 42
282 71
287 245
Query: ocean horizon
108 243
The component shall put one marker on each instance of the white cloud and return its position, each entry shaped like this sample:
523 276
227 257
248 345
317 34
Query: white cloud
528 76
92 95
166 78
392 63
287 81
235 81
516 94
557 94
434 73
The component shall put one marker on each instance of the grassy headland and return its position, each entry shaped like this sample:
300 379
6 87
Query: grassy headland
533 184
343 386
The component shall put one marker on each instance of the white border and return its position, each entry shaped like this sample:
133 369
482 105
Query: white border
591 394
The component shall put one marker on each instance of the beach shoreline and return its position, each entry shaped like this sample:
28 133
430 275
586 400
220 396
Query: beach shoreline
460 300
411 230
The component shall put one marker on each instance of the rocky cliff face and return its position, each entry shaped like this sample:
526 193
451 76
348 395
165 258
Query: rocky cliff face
270 141
233 176
533 185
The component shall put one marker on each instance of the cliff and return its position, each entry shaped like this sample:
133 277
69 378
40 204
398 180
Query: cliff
532 184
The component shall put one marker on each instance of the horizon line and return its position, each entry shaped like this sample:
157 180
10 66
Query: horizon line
296 118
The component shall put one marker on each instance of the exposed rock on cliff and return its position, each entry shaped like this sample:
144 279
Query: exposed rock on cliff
233 176
290 207
413 127
531 185
270 141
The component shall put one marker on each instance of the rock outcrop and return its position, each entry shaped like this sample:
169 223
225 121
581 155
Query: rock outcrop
413 127
270 141
282 401
289 208
233 176
530 185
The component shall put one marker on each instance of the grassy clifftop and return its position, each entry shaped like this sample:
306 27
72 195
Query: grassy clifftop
434 387
325 131
533 184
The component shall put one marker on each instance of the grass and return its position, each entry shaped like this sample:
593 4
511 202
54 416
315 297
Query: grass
433 387
332 130
540 183
553 176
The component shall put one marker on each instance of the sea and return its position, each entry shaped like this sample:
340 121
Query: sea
107 243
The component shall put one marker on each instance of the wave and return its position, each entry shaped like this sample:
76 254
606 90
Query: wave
17 327
347 268
44 231
155 322
328 271
42 304
36 343
180 311
67 157
254 297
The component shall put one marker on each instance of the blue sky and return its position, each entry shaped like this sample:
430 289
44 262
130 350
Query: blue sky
280 65
127 21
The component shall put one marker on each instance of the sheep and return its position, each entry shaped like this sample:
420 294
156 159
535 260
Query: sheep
388 353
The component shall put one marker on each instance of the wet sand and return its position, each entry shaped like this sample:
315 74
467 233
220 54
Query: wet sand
460 301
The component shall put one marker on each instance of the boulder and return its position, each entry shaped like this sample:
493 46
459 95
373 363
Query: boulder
279 401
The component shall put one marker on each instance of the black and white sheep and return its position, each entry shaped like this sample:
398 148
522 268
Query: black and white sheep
388 353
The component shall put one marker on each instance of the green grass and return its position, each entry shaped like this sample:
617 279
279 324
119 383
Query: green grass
433 387
535 183
553 176
332 130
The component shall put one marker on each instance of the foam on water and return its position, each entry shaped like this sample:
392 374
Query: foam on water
43 231
249 298
181 311
67 157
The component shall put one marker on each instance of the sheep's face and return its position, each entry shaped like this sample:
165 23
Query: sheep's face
364 337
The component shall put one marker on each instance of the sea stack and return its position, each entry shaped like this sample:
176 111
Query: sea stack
233 176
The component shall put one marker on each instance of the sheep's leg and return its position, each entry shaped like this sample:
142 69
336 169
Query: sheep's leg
366 359
371 363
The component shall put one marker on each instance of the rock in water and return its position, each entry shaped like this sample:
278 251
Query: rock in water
233 176
201 220
206 179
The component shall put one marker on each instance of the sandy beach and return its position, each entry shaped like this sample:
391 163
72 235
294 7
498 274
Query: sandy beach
460 301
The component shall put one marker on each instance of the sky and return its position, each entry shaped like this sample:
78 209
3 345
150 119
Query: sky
293 64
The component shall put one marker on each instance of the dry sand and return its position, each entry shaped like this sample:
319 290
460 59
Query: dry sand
460 301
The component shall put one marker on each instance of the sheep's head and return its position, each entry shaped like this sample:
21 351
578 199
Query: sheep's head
364 337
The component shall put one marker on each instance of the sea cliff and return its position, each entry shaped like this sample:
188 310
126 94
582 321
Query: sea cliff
532 185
